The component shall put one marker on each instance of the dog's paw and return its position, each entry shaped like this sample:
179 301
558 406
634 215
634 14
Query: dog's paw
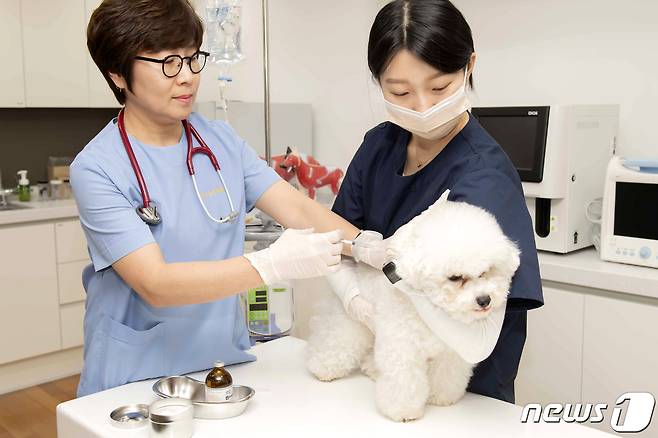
368 366
403 414
404 408
446 398
324 371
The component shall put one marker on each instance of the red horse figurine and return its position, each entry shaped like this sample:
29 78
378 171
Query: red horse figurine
311 174
286 173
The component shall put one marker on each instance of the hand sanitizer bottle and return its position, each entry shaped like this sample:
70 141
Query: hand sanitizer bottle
23 186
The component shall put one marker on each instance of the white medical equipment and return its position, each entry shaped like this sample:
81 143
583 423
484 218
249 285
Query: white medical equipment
148 211
629 220
269 308
561 153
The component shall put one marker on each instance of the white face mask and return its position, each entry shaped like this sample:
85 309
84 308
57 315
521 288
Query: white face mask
435 122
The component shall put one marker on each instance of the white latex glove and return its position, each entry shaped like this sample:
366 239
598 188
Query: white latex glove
370 247
298 254
345 285
474 342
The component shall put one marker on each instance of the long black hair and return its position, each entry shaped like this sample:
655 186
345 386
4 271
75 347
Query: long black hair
433 30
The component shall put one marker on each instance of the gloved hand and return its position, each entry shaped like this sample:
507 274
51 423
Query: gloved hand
298 254
345 285
370 247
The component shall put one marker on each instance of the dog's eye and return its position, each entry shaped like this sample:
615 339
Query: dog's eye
456 278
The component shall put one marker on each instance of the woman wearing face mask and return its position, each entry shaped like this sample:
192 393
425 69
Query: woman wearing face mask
421 54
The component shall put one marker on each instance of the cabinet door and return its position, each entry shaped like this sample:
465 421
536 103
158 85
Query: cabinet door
620 352
550 369
71 242
69 279
11 47
29 314
55 53
99 91
72 316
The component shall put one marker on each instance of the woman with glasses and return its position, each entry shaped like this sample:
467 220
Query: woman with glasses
165 229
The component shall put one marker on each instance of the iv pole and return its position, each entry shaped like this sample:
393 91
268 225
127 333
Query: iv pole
266 77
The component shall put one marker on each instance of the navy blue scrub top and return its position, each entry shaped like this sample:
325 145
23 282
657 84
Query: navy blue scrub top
375 196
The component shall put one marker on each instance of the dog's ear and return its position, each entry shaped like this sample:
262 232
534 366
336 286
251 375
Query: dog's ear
439 202
512 259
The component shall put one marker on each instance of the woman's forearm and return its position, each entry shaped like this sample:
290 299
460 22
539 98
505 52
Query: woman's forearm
202 282
294 210
164 284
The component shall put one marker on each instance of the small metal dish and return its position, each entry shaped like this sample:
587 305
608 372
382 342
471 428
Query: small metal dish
130 416
188 388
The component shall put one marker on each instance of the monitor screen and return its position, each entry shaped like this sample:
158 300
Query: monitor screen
521 132
636 210
516 135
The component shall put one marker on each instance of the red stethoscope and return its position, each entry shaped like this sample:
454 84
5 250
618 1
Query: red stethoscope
148 211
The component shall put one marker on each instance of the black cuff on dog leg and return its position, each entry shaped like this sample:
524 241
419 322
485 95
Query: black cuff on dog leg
391 273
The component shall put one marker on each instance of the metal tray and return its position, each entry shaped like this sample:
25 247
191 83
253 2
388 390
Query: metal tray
194 390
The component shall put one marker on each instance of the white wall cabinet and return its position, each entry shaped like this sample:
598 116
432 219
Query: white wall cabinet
100 95
55 55
29 314
589 346
41 281
72 257
11 47
552 358
620 351
72 316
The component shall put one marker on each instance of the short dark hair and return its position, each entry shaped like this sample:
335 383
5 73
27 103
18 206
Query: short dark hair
119 29
433 30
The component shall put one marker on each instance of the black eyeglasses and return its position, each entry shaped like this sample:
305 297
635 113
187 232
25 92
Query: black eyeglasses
173 64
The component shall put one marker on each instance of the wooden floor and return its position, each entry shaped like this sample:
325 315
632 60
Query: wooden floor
30 413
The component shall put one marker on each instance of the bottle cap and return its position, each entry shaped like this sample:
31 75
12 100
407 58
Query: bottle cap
23 181
219 364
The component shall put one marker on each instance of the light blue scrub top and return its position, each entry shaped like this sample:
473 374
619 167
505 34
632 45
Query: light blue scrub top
126 339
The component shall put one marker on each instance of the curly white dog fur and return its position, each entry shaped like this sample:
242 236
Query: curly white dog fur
458 257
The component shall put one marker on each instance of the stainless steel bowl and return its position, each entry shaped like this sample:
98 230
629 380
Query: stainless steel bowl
130 416
172 418
188 388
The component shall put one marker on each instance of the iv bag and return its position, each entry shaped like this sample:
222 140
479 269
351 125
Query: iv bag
223 31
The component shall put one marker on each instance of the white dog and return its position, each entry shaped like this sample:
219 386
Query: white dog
454 259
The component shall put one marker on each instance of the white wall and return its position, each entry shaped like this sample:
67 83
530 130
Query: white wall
566 51
530 52
318 56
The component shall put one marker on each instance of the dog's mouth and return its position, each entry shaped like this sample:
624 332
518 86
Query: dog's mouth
483 309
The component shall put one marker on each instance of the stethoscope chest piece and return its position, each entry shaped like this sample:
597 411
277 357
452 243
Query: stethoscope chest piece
149 215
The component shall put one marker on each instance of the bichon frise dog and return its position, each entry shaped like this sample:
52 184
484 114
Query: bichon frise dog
456 256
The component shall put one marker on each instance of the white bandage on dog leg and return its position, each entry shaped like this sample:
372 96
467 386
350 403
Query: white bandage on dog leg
344 282
474 342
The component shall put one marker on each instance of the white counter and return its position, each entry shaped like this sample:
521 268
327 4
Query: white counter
585 268
39 211
290 402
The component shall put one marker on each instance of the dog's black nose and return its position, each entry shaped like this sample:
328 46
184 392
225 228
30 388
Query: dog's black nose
483 301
